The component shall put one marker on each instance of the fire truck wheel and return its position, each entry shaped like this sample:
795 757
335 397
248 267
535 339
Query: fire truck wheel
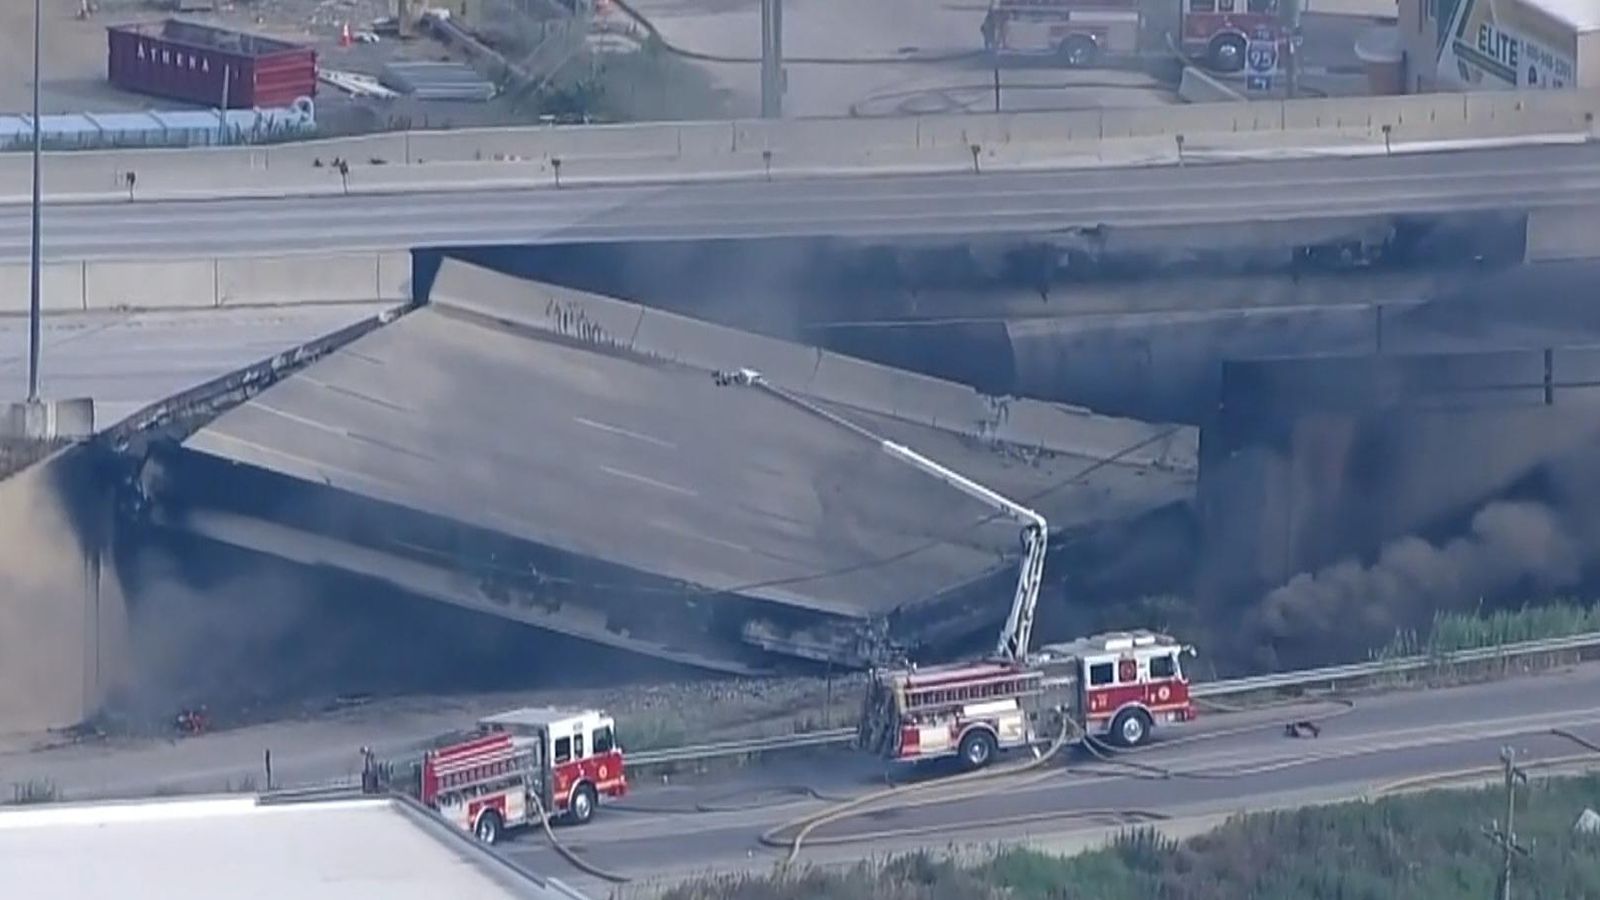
583 803
1131 727
1226 54
977 748
488 828
1080 51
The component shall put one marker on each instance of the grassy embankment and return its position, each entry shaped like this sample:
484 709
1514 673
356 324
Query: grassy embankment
1421 847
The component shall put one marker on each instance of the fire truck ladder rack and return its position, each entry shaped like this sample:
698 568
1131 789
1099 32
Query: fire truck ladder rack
1018 630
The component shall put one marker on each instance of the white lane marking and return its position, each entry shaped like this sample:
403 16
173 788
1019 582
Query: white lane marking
302 420
684 532
631 476
612 429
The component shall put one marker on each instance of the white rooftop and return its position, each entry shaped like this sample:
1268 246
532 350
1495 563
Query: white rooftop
1582 15
536 716
236 847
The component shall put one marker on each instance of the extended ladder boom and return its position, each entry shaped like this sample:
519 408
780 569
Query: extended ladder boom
1014 637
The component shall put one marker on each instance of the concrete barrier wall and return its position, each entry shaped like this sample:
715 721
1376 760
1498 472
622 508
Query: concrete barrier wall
206 282
1199 87
859 142
1563 233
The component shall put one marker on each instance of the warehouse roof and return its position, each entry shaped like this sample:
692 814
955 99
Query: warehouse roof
1581 15
243 848
471 409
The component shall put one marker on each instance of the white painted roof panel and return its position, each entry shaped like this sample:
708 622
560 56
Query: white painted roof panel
235 847
1582 15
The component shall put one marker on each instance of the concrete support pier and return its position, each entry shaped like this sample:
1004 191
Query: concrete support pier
48 420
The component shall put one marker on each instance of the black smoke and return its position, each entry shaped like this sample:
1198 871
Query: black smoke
1524 548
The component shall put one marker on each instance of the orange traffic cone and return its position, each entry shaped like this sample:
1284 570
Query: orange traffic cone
344 35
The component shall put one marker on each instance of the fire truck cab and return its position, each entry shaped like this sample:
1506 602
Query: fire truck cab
518 764
1081 33
1116 686
1077 32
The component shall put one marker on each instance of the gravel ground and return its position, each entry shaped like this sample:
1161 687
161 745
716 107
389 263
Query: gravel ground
74 71
884 29
322 742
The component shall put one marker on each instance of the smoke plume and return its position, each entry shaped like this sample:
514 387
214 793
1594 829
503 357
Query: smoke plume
1511 546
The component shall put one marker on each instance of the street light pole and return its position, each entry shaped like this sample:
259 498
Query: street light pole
33 261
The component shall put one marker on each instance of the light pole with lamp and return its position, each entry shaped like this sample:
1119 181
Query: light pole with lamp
35 419
34 266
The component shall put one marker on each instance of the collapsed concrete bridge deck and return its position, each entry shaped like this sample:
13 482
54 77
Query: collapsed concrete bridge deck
566 460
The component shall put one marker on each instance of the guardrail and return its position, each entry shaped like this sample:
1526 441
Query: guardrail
700 752
1331 676
208 282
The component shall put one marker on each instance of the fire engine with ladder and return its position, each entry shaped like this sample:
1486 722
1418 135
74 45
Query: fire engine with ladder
1082 33
523 767
1114 686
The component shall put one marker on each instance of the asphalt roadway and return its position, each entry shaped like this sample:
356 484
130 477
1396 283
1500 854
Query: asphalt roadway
1234 762
1457 180
1224 764
128 360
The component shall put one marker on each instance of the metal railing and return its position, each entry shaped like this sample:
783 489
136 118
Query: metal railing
700 752
1333 675
1330 676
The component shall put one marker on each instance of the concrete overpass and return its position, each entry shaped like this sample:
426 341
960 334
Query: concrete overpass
111 254
1274 197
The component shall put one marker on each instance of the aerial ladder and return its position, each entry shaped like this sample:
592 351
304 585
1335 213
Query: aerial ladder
1018 629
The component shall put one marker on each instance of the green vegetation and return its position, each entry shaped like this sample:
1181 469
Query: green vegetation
36 790
1420 847
651 732
1453 631
645 85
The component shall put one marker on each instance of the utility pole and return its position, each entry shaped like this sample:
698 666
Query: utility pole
34 258
1507 839
1296 39
772 76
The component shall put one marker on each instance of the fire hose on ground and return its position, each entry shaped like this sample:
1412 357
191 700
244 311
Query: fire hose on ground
577 861
801 831
804 827
810 823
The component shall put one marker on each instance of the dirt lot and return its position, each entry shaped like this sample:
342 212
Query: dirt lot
75 49
75 57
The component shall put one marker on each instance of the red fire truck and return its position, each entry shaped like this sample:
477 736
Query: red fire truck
487 780
1082 32
1115 686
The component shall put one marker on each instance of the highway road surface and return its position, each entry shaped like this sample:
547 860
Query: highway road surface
126 361
1226 764
1478 179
